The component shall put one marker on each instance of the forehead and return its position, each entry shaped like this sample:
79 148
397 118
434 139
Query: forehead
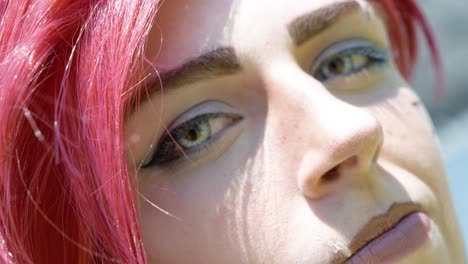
186 28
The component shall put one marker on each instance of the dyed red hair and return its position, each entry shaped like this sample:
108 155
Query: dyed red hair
66 67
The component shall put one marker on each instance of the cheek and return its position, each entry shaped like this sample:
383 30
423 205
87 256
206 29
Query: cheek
203 210
193 215
409 139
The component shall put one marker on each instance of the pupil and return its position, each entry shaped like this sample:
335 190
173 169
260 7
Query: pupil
336 65
191 135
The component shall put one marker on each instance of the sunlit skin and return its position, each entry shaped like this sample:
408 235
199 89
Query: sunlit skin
308 163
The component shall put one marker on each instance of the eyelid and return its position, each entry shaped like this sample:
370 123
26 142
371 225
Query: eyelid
338 47
176 153
205 107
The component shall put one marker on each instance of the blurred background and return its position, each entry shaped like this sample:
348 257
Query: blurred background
449 20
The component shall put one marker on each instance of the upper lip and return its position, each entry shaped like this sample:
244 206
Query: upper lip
380 224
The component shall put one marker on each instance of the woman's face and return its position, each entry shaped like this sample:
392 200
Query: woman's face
282 132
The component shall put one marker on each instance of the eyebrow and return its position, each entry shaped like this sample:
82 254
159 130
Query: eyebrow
224 61
212 64
310 25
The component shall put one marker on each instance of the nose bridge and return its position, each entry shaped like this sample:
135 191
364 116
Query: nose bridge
336 124
340 129
346 130
338 141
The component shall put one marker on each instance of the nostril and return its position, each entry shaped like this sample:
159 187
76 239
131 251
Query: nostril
331 175
334 173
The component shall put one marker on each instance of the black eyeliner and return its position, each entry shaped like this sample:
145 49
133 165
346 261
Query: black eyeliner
376 57
169 152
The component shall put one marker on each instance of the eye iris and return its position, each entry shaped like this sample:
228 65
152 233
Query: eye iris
191 135
347 61
195 134
337 65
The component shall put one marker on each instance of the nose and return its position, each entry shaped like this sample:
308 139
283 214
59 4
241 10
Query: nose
339 142
340 157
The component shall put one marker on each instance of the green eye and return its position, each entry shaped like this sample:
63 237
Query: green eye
191 136
346 59
337 66
194 135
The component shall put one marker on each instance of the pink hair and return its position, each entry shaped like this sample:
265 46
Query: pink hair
66 195
67 67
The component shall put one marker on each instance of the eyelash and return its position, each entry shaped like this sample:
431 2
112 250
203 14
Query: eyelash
171 148
368 55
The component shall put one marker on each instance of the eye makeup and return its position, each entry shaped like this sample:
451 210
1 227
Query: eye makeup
347 58
194 132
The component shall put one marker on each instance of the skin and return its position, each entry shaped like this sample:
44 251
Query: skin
310 162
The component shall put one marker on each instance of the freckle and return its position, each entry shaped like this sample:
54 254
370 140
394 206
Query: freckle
415 103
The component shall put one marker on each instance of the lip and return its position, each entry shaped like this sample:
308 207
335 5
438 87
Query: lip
381 231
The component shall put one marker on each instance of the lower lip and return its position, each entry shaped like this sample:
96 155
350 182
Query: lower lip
407 236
